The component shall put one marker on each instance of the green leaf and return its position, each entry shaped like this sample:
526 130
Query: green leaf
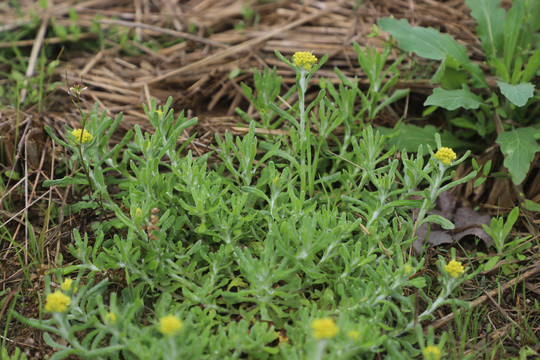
519 147
426 42
453 79
453 99
514 29
534 15
491 263
437 219
238 282
533 64
489 16
510 221
408 137
517 94
531 205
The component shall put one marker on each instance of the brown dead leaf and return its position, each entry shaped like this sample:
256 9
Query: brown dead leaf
466 220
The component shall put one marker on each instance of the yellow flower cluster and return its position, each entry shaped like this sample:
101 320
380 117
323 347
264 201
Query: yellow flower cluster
446 155
454 268
110 317
305 59
170 324
82 136
432 353
324 328
66 285
57 302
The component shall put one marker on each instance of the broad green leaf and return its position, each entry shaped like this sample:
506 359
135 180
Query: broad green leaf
426 42
453 99
409 137
517 94
519 147
453 79
489 16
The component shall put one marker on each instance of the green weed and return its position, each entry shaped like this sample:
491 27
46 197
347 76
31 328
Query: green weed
253 257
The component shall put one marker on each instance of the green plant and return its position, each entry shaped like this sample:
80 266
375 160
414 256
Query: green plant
17 355
499 230
510 47
246 259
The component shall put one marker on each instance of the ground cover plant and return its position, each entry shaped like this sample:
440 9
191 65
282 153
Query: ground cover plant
293 240
237 256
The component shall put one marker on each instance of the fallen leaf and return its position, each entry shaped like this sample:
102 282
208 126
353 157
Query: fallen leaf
466 220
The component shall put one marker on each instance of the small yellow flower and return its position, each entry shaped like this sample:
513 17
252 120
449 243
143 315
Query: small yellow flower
82 136
324 328
110 317
170 324
57 302
159 112
446 155
354 334
454 268
138 212
305 59
66 285
432 353
408 269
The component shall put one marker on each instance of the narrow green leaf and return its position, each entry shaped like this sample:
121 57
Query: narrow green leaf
489 16
491 263
479 182
531 205
513 31
510 221
534 15
437 219
517 94
519 147
532 66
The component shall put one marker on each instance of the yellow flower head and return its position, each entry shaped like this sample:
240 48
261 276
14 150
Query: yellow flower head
159 112
354 335
305 59
170 324
446 155
454 268
432 353
324 328
57 302
66 285
82 136
110 317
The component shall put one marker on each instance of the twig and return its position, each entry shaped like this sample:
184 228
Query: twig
34 54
